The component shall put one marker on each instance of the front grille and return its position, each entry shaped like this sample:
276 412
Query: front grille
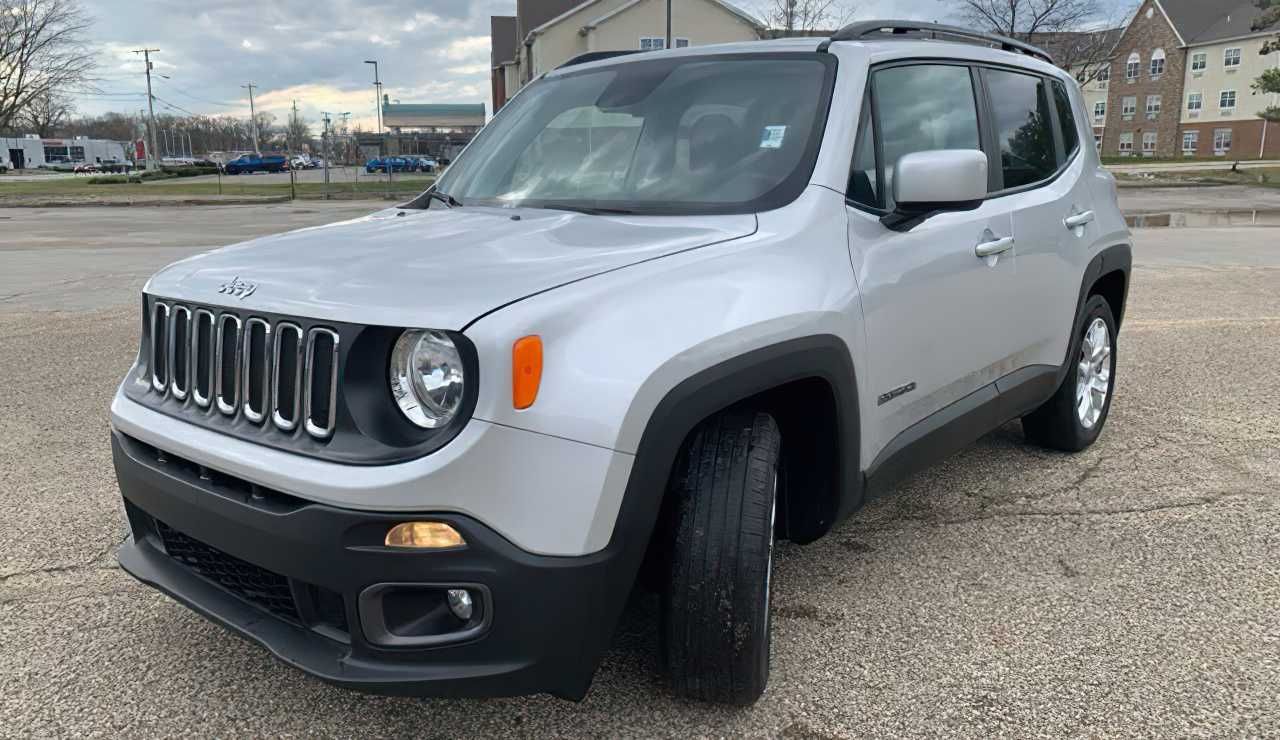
266 373
258 586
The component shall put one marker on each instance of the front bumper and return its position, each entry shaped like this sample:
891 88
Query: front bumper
548 620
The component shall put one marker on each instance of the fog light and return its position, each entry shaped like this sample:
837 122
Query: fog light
460 603
424 535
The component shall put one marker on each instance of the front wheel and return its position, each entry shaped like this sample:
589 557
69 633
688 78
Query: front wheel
1073 418
715 605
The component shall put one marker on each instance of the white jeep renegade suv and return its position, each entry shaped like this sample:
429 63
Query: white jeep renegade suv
665 308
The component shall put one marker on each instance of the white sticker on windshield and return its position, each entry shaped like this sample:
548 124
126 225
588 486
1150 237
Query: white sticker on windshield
772 137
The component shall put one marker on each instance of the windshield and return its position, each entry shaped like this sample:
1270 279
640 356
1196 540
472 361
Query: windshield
692 134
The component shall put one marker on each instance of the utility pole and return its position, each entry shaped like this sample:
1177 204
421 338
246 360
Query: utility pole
293 125
668 24
151 109
253 119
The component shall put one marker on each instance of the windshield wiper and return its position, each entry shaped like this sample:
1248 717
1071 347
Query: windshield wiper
445 198
591 210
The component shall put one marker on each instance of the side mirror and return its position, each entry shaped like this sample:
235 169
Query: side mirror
932 182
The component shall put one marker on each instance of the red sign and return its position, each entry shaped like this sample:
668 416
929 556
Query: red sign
140 150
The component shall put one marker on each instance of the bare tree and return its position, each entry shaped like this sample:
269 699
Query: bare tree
297 133
42 49
800 17
1021 19
1080 34
46 114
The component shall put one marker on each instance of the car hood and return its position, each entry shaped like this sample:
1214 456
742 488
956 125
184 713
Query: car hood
439 268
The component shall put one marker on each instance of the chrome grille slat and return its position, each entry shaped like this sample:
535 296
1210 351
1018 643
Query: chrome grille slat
248 356
291 422
309 384
227 403
157 362
245 366
179 317
202 349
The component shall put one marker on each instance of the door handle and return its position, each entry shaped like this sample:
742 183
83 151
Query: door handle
1078 220
990 249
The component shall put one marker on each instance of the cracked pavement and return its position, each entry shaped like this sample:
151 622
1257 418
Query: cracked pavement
1133 589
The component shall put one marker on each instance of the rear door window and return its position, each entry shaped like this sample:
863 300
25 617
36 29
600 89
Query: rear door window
1066 121
1023 128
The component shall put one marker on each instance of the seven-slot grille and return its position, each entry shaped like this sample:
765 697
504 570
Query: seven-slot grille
246 366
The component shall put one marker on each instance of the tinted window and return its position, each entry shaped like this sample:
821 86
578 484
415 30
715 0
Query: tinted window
922 108
1066 120
676 135
1022 126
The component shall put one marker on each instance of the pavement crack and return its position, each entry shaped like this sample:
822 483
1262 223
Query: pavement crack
1199 501
94 563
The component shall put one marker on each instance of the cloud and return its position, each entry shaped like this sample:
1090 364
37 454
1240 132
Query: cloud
471 47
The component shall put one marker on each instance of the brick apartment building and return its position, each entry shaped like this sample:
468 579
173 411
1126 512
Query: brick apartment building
1181 83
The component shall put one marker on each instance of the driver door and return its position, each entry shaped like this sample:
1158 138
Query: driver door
937 315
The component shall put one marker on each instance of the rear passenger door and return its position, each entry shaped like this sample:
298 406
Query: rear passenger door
1043 179
937 316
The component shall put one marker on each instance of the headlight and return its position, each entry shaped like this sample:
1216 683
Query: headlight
426 377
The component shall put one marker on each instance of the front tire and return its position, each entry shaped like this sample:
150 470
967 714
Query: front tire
1073 418
715 605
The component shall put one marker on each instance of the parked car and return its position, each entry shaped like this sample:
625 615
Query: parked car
395 164
424 164
87 167
432 450
303 162
248 163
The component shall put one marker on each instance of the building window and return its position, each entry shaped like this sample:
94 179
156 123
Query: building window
1221 141
1157 64
1190 143
1132 67
1231 58
1102 76
1129 106
77 154
1227 100
1195 102
654 43
1199 61
1153 106
1100 110
1149 144
1126 144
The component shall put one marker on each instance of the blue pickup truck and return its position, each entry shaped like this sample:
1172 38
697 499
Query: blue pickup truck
247 163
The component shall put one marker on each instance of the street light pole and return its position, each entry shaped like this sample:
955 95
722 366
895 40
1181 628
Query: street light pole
377 91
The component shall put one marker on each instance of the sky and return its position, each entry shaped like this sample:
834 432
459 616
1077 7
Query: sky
312 52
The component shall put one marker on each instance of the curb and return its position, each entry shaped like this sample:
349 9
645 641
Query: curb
246 201
1209 217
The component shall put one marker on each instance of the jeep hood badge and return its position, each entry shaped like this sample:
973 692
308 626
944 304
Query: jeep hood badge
239 288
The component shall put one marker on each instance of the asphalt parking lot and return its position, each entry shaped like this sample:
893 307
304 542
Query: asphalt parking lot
1130 590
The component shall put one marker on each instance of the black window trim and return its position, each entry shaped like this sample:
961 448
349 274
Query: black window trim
987 135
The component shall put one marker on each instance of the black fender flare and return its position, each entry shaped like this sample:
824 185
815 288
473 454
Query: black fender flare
824 356
1118 257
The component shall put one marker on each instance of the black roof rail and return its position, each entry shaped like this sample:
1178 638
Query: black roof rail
863 30
595 56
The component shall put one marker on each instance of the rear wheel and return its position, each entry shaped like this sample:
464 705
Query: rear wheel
1073 418
715 606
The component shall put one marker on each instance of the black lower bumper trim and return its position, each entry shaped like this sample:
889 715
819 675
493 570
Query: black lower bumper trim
551 617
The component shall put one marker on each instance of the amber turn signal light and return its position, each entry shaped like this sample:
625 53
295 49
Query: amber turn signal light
526 371
424 536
